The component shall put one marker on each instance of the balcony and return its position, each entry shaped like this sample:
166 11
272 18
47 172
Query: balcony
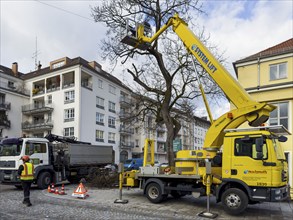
127 131
125 115
4 122
5 106
37 125
126 145
87 84
124 101
36 108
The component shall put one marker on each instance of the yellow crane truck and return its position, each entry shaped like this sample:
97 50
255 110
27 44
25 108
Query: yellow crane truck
239 166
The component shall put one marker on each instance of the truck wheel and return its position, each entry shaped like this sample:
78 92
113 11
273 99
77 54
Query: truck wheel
235 201
154 193
44 180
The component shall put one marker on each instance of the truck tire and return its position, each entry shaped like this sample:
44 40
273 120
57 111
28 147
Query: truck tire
154 193
235 201
44 180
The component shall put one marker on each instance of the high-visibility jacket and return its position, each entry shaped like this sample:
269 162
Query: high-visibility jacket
28 172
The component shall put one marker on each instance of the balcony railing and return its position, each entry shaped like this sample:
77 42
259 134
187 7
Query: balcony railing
124 144
4 122
37 125
124 101
87 84
36 108
124 130
5 106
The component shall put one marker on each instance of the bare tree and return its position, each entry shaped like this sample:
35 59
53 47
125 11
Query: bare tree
164 71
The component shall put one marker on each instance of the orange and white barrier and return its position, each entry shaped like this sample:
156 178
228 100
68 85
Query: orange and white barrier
80 192
62 191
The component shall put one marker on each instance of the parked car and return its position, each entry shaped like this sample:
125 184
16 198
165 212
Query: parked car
133 164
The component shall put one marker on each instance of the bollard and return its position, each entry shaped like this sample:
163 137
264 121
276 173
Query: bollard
120 171
207 213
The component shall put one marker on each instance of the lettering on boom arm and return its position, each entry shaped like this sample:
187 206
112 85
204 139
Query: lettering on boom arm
203 57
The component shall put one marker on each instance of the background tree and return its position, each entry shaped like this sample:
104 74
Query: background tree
164 72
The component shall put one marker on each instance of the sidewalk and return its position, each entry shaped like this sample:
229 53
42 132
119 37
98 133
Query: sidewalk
186 207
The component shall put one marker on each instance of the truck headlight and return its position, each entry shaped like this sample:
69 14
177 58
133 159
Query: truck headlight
278 191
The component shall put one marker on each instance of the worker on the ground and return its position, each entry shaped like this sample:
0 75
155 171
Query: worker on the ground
26 173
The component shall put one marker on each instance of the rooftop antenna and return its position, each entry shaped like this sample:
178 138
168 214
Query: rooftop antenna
35 55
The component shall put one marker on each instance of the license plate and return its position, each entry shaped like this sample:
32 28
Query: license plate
7 177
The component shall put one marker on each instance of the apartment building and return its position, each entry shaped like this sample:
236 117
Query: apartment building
13 94
268 77
74 97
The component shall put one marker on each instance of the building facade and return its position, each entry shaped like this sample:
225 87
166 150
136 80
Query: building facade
268 77
74 97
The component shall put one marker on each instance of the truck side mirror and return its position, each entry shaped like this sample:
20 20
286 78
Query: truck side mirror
282 138
259 144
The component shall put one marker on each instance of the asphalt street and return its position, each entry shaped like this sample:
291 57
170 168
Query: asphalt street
100 205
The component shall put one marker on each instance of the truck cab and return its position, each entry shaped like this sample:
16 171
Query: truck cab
254 161
11 151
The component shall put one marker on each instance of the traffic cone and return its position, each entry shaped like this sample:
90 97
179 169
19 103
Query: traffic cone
80 192
62 191
56 191
49 189
52 188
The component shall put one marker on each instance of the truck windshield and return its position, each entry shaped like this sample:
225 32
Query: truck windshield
10 149
278 149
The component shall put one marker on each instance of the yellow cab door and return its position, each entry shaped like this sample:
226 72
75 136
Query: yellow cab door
247 161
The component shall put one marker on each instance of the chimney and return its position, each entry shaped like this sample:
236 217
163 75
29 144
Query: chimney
15 68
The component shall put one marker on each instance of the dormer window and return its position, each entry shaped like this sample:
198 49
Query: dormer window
57 65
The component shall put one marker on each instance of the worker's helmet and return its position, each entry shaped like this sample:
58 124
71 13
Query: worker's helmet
25 158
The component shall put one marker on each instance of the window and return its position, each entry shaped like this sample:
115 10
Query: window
278 71
33 148
111 122
111 138
69 96
247 147
99 136
49 98
112 89
69 114
100 118
280 116
69 132
11 85
100 102
100 83
112 107
57 65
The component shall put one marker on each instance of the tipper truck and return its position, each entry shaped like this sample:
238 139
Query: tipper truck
239 166
55 159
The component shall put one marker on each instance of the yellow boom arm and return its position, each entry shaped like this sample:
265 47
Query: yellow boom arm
247 109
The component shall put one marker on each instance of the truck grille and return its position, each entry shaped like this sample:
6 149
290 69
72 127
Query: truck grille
6 164
284 176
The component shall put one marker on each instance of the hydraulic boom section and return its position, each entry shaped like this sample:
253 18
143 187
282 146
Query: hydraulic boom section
247 109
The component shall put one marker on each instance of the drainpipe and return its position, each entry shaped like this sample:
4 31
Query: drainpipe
258 73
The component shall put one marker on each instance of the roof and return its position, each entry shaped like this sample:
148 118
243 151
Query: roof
279 49
8 71
73 62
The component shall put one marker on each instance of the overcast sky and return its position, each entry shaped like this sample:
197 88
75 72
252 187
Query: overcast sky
65 28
